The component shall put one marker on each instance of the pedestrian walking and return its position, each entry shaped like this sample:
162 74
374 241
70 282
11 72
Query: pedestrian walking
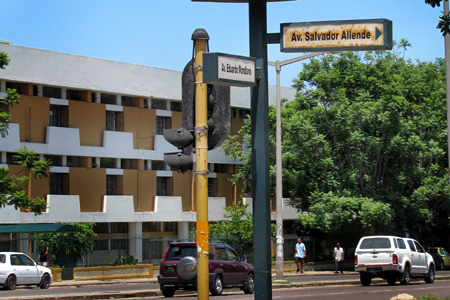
300 254
338 258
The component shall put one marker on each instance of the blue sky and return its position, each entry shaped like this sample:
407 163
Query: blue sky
158 33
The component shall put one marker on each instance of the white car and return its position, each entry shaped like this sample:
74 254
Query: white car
19 269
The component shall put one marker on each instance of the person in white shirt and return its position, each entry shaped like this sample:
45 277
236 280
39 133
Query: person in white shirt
300 254
338 258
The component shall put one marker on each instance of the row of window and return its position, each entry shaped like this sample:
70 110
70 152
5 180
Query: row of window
60 185
114 163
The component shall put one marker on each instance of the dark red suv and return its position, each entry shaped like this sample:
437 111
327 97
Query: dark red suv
178 270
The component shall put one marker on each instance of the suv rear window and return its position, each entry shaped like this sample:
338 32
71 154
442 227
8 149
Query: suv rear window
375 243
178 252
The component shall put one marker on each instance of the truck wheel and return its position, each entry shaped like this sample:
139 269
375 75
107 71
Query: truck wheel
392 279
365 278
406 276
431 275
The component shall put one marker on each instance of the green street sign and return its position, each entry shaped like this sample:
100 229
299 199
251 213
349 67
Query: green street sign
349 35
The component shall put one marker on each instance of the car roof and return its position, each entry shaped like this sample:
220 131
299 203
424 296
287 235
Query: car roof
9 253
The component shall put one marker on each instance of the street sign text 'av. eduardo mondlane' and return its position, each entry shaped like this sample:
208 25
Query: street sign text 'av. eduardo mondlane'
228 69
350 35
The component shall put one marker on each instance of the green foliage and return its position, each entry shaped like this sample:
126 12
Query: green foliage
364 144
16 191
125 260
237 230
432 297
66 248
4 60
444 20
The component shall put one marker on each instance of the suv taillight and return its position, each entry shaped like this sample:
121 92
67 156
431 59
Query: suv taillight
394 259
167 250
356 259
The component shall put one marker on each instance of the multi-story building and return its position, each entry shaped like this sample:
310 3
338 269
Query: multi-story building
101 122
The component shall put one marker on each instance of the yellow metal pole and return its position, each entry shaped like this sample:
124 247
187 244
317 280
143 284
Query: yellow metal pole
200 38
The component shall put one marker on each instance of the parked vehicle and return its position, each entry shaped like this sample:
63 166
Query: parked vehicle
178 270
441 257
393 259
19 269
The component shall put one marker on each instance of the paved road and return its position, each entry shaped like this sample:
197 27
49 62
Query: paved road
149 287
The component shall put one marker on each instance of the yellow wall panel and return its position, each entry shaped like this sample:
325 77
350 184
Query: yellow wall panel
182 186
90 185
142 123
147 191
32 115
90 118
176 119
40 187
225 188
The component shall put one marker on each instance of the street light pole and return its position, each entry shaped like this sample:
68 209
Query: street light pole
279 181
447 81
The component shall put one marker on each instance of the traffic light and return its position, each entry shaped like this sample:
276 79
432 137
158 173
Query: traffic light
218 108
218 121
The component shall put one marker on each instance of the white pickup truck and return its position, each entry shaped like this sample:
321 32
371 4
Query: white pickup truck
394 259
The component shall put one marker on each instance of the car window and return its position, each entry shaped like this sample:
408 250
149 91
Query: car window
419 247
211 253
401 243
411 245
221 253
445 252
178 252
231 255
375 243
2 258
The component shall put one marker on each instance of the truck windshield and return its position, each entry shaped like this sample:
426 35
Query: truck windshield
375 243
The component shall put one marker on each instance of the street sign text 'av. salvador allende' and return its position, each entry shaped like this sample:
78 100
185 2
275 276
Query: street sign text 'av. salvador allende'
227 69
349 35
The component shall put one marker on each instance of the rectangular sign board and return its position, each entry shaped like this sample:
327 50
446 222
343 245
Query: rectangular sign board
349 35
227 69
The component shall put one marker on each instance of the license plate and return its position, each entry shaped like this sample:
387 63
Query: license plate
170 269
374 270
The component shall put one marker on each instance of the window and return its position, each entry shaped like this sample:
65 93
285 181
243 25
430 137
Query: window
73 95
401 244
126 101
212 187
111 185
101 228
159 104
160 186
55 159
114 121
158 165
376 243
419 247
411 245
125 164
231 255
55 184
58 116
51 92
175 106
118 227
108 98
109 163
161 124
72 161
110 121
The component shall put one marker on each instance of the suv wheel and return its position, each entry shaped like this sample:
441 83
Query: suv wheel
168 291
217 287
249 285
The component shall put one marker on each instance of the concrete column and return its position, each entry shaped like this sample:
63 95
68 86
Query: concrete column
135 239
2 86
183 230
23 243
3 157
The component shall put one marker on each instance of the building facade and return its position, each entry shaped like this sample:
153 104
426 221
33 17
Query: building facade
101 122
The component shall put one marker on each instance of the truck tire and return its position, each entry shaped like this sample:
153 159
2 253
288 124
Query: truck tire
406 277
365 278
431 275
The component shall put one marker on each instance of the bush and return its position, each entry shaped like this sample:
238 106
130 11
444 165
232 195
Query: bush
125 260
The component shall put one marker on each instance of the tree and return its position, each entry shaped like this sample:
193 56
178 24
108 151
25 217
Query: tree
444 19
368 130
66 248
17 190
